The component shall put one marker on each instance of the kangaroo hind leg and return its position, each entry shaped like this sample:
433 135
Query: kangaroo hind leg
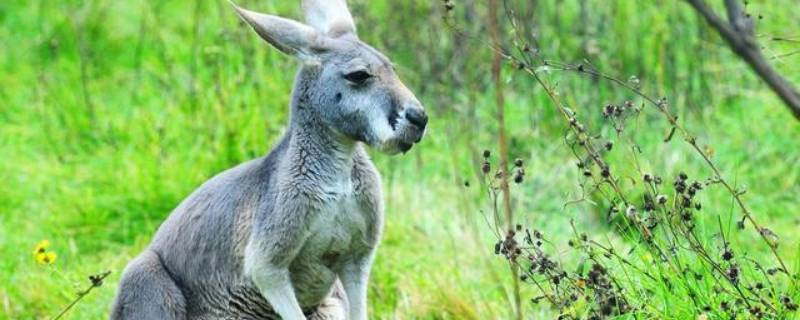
148 292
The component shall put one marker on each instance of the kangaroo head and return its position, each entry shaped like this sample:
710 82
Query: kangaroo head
348 86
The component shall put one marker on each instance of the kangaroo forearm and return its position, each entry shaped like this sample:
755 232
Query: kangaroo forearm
276 287
355 277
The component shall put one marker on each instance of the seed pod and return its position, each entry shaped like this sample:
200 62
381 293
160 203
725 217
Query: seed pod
630 212
787 302
772 271
605 172
680 187
727 255
608 110
733 273
518 176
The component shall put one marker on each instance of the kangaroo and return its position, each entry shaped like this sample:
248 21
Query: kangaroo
291 235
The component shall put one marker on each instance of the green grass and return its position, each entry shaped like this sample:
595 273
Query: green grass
111 112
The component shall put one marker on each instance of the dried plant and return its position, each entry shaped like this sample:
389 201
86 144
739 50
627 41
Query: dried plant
661 216
96 280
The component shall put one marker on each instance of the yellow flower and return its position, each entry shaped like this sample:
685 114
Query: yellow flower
41 247
46 257
41 255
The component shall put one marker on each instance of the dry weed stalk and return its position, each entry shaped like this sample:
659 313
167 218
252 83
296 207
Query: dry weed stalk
661 217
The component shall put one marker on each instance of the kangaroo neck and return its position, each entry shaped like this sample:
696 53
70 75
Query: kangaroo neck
317 152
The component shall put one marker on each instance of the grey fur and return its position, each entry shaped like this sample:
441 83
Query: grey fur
290 235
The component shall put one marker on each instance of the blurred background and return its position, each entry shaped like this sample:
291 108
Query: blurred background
112 112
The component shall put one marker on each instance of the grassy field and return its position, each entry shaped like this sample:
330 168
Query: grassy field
111 112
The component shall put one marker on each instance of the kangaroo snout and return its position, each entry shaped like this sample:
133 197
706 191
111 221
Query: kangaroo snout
408 125
417 121
417 117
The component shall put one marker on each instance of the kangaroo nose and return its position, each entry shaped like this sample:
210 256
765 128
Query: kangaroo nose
417 117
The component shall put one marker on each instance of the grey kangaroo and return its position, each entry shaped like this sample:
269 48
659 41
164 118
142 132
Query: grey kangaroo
291 235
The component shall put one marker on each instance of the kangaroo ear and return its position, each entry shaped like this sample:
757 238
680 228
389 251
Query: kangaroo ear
330 17
288 36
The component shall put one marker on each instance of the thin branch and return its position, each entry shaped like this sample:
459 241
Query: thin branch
738 33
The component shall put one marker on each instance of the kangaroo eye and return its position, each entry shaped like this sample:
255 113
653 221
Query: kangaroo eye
357 77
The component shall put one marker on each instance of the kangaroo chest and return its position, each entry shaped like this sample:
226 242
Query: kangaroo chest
337 231
339 226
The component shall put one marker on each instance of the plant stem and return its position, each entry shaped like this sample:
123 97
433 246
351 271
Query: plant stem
97 281
502 141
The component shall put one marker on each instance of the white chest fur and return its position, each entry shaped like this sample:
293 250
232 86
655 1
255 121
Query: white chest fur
336 232
340 224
